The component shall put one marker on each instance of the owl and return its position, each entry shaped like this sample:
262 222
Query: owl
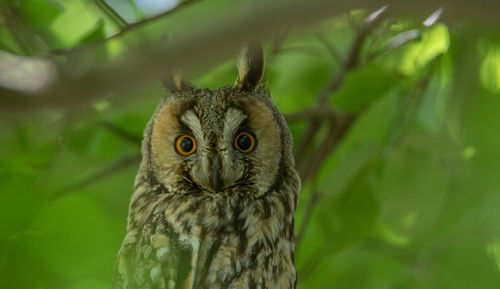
214 199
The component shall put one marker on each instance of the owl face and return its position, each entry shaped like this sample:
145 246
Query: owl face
223 141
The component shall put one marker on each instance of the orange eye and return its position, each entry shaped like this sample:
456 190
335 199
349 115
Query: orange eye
244 142
185 145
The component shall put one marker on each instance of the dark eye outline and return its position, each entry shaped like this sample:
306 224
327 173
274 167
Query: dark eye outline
178 145
252 138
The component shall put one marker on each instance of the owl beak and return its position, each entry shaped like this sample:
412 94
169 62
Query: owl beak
215 177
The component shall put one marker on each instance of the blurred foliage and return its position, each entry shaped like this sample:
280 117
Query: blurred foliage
409 199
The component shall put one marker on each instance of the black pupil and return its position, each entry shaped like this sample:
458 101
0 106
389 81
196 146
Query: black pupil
186 144
244 142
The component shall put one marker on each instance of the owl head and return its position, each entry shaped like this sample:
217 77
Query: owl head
227 141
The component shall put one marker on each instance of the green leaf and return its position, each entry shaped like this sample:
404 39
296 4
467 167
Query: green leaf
413 57
97 32
80 136
38 13
412 191
298 74
363 86
351 216
75 228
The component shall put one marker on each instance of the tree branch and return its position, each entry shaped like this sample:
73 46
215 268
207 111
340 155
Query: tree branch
199 46
395 42
313 200
122 133
330 47
338 130
309 113
116 18
13 24
279 39
338 122
128 27
102 173
350 62
408 106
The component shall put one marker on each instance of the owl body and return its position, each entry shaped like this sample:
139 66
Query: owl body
214 199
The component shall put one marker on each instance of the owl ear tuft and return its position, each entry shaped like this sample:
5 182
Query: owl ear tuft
250 66
172 81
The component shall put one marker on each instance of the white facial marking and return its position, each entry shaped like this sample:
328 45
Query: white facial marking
193 122
233 119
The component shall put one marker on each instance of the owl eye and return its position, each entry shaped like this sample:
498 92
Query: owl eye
185 145
244 142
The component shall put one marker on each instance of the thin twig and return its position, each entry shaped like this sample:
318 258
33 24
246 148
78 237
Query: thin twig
407 109
122 133
307 138
129 27
350 62
11 21
406 36
352 59
433 18
104 172
297 49
334 52
278 40
313 199
309 113
114 16
338 130
395 42
138 13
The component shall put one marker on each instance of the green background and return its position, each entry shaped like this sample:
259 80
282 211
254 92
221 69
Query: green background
409 199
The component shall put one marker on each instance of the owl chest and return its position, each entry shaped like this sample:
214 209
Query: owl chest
231 246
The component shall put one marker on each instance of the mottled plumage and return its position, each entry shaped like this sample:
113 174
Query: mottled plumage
217 217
